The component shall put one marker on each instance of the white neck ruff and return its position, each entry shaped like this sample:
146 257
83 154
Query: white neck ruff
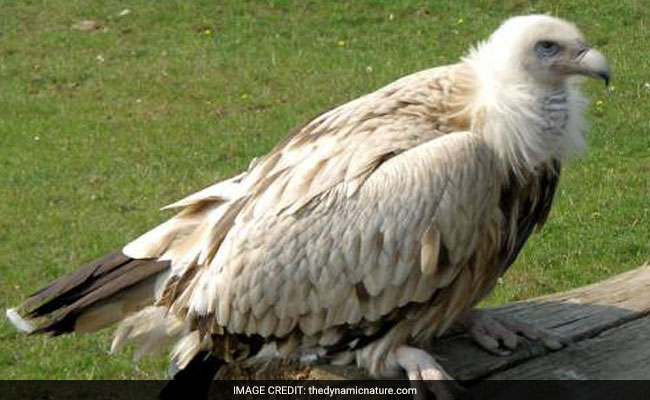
509 111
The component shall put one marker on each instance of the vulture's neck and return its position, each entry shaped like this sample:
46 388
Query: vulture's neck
527 125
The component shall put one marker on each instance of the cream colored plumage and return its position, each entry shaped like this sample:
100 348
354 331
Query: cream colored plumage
376 225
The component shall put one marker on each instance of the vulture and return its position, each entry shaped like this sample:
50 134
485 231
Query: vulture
366 233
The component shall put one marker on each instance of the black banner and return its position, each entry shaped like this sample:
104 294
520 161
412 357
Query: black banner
323 390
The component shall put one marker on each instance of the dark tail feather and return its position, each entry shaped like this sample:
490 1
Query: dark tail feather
94 296
193 381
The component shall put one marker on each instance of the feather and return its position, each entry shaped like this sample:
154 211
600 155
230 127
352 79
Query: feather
152 330
187 348
19 322
429 251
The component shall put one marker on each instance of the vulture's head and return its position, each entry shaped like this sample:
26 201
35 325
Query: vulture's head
543 49
524 101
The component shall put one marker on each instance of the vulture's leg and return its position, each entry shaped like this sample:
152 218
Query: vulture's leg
426 375
498 334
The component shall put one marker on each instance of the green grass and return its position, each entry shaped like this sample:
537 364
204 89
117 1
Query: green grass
98 129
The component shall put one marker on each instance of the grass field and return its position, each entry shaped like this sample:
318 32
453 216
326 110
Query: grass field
98 128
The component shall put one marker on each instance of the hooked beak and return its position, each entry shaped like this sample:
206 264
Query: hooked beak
594 64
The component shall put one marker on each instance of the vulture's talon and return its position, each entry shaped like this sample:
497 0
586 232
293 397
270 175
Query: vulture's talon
427 375
500 335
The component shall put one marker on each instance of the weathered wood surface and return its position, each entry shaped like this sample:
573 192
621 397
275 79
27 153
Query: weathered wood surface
608 325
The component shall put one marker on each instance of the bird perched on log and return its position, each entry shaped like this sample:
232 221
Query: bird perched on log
368 231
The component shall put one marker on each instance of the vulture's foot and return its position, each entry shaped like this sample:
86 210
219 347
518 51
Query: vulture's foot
427 376
499 334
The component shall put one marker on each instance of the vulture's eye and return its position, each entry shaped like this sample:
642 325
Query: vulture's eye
547 48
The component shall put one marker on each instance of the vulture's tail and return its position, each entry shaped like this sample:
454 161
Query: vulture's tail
93 297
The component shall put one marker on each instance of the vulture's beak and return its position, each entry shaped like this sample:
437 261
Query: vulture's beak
593 63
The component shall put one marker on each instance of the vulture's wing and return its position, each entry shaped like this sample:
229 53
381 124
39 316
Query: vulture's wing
407 231
343 145
366 209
